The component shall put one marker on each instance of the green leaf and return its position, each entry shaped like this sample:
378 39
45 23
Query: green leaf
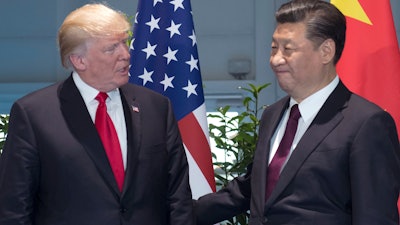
237 136
3 130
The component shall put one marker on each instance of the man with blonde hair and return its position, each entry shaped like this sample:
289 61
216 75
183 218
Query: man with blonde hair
94 149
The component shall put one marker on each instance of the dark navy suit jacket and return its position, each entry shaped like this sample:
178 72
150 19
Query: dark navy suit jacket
54 170
344 171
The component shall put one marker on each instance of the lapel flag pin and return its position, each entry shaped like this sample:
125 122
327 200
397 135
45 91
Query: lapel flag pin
135 109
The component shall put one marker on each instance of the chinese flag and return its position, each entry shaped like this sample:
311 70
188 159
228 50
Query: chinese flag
370 64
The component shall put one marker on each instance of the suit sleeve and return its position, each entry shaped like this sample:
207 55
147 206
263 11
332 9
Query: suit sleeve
179 193
375 172
226 203
19 171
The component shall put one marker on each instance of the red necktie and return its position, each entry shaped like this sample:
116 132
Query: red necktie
108 135
283 150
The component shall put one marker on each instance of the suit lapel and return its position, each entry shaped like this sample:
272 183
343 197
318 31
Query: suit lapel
132 120
79 122
326 120
269 123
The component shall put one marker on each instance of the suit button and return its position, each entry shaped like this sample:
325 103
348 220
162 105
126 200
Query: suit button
123 210
265 220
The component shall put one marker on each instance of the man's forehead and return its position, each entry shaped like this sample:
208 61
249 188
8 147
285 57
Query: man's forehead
286 30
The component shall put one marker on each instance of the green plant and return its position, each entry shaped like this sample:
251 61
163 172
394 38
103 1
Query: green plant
237 136
3 130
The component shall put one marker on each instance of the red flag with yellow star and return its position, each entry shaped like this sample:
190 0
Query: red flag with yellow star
370 64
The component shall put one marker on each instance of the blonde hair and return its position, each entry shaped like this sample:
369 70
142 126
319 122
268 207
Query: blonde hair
87 22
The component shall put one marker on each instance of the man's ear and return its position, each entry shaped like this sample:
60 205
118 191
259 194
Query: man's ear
327 49
78 61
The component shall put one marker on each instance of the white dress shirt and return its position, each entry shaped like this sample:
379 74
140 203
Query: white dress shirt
114 110
308 108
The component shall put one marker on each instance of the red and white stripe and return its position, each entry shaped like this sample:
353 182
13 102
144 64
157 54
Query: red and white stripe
194 131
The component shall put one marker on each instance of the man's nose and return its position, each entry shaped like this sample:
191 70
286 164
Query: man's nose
277 58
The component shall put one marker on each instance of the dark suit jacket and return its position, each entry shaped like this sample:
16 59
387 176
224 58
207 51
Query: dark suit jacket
54 169
344 171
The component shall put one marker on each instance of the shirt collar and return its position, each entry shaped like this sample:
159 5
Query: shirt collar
88 92
311 105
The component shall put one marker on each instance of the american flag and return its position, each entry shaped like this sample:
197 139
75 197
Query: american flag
164 58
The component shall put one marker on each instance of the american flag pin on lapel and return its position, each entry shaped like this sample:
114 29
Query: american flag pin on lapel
135 108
